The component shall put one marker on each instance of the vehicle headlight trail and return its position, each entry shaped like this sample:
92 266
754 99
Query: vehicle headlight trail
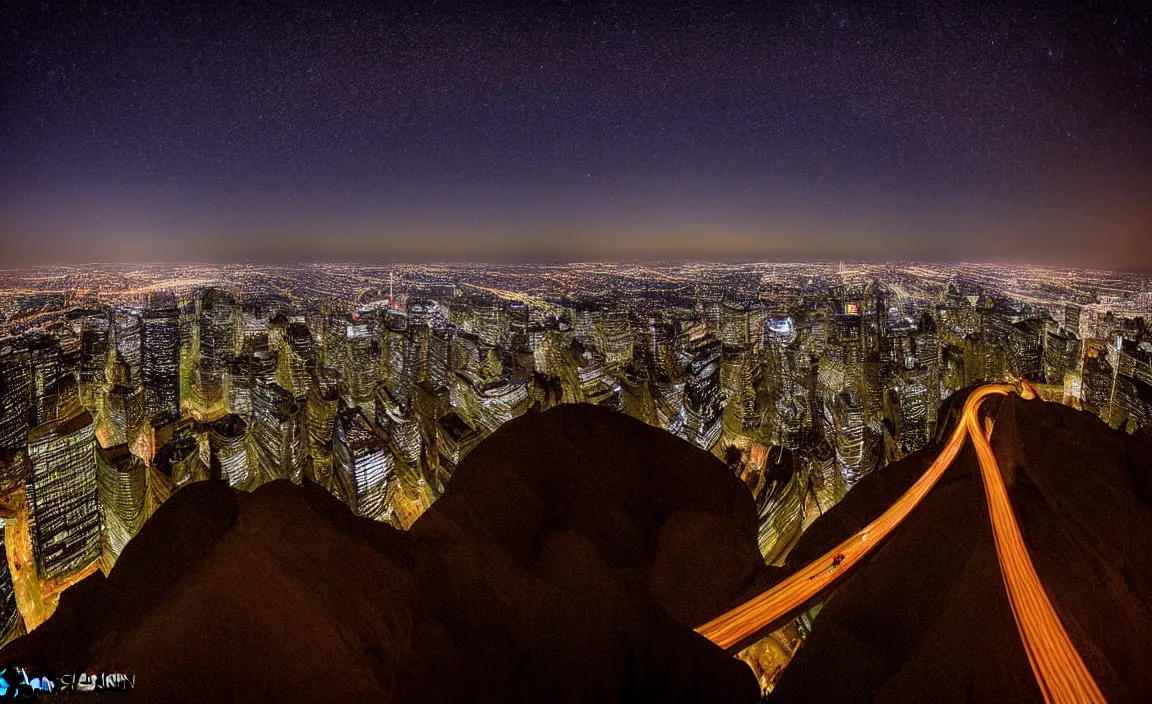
1060 671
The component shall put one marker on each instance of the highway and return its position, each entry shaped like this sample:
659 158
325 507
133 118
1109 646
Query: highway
1060 671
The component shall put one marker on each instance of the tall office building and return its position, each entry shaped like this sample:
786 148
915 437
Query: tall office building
439 358
127 333
916 393
320 415
362 464
238 386
46 373
278 443
394 416
160 360
15 397
734 330
123 414
703 405
63 496
398 373
121 478
94 332
1062 355
1072 317
297 359
613 337
217 332
491 323
1026 348
253 327
228 450
361 359
855 446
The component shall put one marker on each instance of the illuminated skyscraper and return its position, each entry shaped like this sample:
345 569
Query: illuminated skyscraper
1072 316
254 327
487 405
217 336
416 357
278 443
614 338
361 359
663 351
926 343
228 450
439 358
1026 348
238 386
94 348
916 394
854 445
320 414
63 496
127 332
160 360
394 416
297 359
46 373
734 324
362 464
1061 355
491 324
123 490
15 397
123 414
399 374
703 405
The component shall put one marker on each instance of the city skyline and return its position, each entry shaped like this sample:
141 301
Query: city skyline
576 350
122 387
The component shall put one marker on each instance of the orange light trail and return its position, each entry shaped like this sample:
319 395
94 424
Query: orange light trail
1060 671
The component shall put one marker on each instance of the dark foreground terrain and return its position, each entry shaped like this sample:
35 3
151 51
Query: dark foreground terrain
568 561
927 618
575 550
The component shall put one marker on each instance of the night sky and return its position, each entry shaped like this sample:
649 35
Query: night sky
153 129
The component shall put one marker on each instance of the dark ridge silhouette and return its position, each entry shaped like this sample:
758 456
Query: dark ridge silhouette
569 560
927 617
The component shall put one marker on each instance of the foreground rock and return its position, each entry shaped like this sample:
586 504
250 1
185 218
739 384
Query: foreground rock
568 561
927 618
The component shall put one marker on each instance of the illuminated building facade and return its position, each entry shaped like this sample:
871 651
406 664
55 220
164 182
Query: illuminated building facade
803 384
63 496
160 360
121 479
15 397
363 464
217 336
278 441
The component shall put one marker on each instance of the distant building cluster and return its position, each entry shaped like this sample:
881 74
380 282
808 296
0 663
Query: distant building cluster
801 385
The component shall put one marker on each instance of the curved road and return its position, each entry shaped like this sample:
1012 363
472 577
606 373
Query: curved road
1058 667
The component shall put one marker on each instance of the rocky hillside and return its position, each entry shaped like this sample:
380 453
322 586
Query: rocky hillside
568 561
927 618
